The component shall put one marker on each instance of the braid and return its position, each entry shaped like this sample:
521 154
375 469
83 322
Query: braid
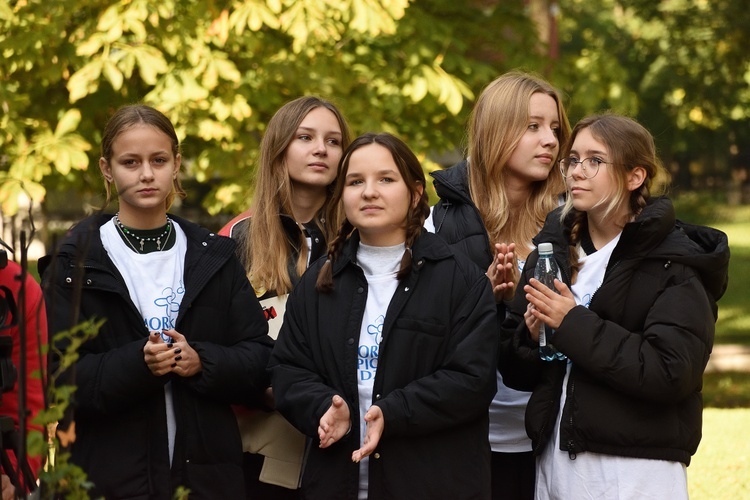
576 230
406 260
415 218
639 199
324 283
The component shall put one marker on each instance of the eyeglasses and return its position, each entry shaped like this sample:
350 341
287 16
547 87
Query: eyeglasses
589 166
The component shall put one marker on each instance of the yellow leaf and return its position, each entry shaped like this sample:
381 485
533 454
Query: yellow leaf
220 110
113 34
238 18
150 63
419 88
90 46
109 19
113 74
9 192
227 70
454 102
220 27
240 108
274 6
68 123
85 80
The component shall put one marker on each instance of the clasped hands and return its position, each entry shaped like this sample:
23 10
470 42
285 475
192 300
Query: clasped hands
174 356
336 423
503 272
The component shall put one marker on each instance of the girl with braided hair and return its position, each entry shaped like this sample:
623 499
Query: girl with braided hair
386 357
634 314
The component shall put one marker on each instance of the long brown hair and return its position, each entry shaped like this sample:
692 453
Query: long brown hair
629 145
127 117
497 123
267 247
411 171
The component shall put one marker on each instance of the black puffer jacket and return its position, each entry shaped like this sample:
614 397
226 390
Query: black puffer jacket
120 406
638 352
434 380
456 218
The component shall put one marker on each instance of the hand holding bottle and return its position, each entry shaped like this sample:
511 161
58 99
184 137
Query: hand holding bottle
550 307
543 292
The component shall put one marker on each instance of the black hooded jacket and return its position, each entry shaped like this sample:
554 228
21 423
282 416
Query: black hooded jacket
455 217
638 352
120 411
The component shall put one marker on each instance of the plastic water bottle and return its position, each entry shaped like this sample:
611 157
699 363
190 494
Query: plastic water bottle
546 271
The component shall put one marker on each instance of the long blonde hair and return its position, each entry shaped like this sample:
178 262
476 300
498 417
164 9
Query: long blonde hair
267 246
498 121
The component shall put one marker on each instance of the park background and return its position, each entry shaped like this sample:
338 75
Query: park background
219 69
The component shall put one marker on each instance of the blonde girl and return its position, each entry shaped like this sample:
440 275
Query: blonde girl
491 206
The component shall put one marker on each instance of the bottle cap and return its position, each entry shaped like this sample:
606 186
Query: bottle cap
545 247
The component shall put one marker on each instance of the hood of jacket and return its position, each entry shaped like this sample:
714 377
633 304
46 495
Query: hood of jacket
453 183
657 234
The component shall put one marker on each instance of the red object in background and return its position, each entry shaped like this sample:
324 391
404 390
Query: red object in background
227 229
36 335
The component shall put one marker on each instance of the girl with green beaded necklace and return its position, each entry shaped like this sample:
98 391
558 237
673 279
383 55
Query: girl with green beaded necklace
184 337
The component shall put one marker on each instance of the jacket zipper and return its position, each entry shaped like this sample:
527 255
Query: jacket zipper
570 445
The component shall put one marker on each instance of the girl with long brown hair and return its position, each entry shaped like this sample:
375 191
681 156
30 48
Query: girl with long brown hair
285 230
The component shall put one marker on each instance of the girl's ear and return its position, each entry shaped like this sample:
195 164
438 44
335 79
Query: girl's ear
106 171
417 196
177 163
636 178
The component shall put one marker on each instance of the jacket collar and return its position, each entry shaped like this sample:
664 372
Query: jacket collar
427 247
83 239
657 234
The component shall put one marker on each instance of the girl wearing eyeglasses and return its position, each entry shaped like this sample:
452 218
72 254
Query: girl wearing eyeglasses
635 316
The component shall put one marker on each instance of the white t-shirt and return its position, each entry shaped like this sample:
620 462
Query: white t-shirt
507 414
155 284
429 224
594 475
507 432
380 265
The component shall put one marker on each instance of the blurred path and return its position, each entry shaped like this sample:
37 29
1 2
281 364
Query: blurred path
729 358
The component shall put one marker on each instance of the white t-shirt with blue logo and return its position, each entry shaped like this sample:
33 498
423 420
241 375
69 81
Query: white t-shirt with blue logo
595 475
156 287
380 265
